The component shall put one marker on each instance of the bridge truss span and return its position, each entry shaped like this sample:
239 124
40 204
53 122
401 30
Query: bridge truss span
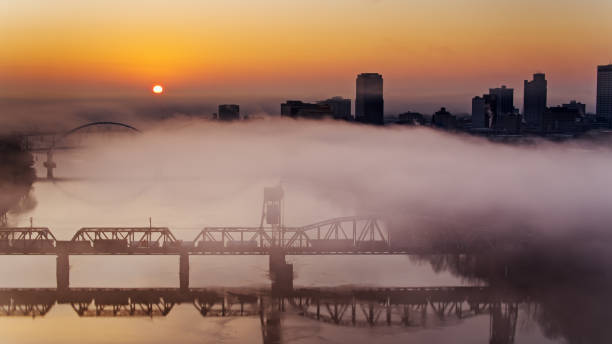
24 240
345 235
123 240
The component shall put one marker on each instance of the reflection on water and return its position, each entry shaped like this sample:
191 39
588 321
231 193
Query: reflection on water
394 313
512 308
478 314
568 280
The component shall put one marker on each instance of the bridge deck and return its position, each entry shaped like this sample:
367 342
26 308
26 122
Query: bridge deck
169 251
218 252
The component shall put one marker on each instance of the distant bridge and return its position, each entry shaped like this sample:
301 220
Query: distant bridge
45 141
40 141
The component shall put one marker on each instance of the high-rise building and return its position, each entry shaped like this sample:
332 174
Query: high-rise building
297 108
341 107
369 103
483 111
534 102
229 112
505 99
604 91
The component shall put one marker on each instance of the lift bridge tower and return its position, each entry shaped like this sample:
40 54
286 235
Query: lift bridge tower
281 273
272 213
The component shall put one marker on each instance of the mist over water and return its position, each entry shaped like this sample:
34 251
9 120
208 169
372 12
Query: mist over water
425 177
187 173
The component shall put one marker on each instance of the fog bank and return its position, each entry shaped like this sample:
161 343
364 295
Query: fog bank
419 178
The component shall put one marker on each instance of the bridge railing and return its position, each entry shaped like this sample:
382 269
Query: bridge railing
30 239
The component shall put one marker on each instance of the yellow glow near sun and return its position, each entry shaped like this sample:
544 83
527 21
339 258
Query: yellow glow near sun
158 89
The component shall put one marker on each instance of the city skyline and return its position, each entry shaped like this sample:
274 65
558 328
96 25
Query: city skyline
197 49
457 103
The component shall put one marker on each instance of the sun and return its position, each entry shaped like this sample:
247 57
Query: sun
158 89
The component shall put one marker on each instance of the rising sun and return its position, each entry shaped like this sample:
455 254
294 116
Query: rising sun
158 89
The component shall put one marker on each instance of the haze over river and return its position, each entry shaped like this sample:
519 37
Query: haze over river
84 195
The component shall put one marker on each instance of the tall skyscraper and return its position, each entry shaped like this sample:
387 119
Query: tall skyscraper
505 100
534 102
369 103
604 91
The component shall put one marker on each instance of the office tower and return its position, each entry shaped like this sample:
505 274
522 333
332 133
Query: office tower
534 102
504 98
604 91
369 103
296 108
483 111
341 107
229 112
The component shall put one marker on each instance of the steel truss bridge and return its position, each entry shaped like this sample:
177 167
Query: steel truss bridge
346 235
341 236
425 307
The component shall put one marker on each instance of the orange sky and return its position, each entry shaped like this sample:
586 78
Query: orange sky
423 48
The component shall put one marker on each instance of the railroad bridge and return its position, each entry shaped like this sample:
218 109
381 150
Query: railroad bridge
342 236
356 235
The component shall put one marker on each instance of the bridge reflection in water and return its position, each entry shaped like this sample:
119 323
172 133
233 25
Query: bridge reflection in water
358 307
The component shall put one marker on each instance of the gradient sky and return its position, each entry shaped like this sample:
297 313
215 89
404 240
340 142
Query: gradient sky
426 50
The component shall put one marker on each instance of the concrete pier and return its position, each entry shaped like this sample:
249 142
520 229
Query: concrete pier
62 269
184 271
281 273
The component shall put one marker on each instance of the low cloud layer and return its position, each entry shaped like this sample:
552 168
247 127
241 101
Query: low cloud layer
419 178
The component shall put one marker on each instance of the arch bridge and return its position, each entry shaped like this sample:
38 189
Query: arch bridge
56 139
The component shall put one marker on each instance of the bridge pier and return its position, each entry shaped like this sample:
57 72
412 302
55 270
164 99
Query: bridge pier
184 271
281 273
49 164
62 270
